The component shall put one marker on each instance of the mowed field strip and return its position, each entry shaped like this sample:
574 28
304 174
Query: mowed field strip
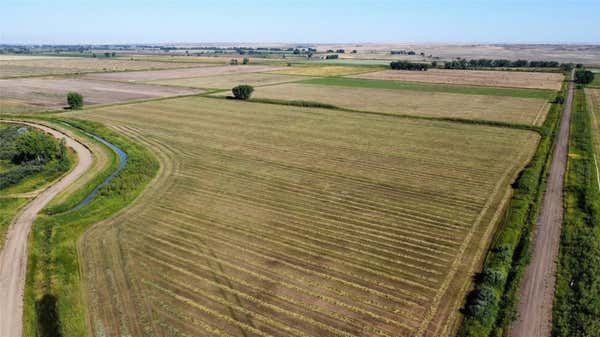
36 66
46 93
231 80
530 111
170 74
271 220
517 79
593 97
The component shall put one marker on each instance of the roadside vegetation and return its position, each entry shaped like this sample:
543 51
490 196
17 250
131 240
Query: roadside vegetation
29 159
576 310
491 307
53 302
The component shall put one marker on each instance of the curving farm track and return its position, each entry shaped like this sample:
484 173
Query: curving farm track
13 259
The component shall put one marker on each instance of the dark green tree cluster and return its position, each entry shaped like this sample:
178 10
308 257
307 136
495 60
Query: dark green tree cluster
498 63
29 152
243 92
332 57
405 65
583 76
74 100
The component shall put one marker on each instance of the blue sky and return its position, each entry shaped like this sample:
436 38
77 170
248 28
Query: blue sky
112 21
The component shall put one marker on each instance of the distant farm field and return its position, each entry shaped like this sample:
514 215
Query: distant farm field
25 94
434 87
323 71
146 76
231 80
72 65
530 111
518 79
272 220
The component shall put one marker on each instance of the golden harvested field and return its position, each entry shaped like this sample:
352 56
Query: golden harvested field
419 103
230 81
325 71
517 79
73 65
271 220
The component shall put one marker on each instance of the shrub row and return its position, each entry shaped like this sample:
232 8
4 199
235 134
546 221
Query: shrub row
576 310
406 65
502 63
490 307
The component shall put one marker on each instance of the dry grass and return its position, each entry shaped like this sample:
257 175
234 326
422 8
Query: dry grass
73 65
433 104
325 71
270 220
147 76
9 106
515 79
229 81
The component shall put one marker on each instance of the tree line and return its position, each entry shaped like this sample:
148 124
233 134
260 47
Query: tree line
503 63
405 65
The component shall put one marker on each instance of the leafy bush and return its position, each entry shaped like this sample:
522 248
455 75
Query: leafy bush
246 60
242 92
74 100
584 76
36 147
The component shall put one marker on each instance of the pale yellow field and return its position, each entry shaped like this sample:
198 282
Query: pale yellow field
517 79
324 71
432 104
229 81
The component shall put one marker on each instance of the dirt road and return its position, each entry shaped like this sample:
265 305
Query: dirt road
13 259
537 290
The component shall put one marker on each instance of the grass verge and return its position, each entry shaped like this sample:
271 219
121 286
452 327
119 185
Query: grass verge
491 307
53 296
9 207
433 87
576 310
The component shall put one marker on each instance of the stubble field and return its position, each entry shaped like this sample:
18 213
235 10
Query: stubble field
26 94
38 66
272 220
517 79
231 80
147 76
531 111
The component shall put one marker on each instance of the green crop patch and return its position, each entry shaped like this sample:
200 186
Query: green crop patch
433 87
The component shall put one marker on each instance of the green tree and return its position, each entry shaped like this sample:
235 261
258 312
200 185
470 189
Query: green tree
75 100
246 60
242 92
584 76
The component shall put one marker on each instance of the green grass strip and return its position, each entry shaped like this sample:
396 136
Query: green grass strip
576 310
53 292
433 87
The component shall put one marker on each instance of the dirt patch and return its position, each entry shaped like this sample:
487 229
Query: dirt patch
145 76
515 79
51 92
